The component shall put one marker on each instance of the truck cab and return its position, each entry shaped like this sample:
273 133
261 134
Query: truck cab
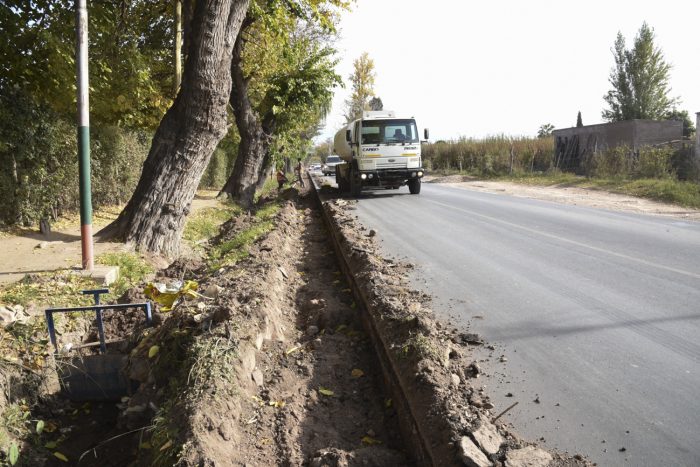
380 151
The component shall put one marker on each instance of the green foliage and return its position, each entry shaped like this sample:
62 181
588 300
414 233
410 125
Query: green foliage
545 130
205 223
38 161
640 80
132 270
682 116
490 156
622 163
362 81
130 45
231 251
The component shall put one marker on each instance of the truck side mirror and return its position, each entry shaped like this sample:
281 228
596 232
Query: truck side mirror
426 133
348 135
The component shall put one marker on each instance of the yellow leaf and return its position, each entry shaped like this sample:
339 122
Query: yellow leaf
387 403
145 445
153 351
357 373
336 282
51 445
325 392
60 456
369 441
166 446
292 350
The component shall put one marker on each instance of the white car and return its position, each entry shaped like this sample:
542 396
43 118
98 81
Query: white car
329 167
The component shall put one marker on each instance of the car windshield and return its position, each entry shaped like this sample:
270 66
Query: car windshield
332 159
389 131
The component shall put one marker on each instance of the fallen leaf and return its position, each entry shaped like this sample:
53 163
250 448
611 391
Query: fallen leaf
292 350
39 427
387 403
369 441
325 392
153 351
357 373
51 445
166 446
13 455
60 456
50 427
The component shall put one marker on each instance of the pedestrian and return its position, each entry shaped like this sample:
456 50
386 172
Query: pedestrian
298 171
281 179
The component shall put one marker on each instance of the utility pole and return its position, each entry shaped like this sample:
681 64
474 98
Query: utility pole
81 55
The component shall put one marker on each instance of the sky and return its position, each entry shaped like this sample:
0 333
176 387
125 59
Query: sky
479 68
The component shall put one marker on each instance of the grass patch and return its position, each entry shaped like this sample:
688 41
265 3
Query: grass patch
204 223
132 270
61 288
667 190
231 251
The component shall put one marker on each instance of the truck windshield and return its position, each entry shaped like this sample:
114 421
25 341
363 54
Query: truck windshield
389 131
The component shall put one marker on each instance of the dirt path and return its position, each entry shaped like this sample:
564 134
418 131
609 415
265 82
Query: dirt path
28 252
570 195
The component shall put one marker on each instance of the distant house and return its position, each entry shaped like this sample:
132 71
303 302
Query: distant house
572 146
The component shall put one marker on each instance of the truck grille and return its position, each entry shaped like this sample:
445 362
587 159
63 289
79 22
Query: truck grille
398 164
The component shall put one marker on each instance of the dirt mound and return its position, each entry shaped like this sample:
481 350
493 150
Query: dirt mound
432 364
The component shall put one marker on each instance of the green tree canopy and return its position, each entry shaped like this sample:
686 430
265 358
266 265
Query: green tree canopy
640 80
362 80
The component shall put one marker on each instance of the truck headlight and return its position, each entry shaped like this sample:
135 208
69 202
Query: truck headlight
420 174
363 176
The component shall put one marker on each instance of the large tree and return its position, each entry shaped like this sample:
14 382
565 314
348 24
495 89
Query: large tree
283 79
640 80
362 80
154 218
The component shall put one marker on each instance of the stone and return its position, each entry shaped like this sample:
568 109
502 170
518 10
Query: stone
529 456
257 377
7 317
372 233
471 455
212 291
487 437
312 330
454 379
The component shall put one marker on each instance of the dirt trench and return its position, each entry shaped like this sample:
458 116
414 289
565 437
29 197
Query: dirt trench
317 397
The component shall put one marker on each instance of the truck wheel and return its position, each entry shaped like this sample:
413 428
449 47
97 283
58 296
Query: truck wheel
414 186
355 184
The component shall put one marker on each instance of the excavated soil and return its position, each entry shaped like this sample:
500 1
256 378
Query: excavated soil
274 365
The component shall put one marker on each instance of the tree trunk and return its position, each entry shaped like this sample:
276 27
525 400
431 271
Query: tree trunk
255 137
178 45
154 218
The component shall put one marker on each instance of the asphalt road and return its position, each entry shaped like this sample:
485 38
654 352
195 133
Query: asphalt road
596 312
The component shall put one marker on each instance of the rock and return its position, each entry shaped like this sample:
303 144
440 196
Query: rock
372 233
257 377
212 291
42 245
474 369
312 330
471 455
529 456
454 380
487 437
503 359
7 317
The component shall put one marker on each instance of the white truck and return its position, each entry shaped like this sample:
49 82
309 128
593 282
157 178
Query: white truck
379 151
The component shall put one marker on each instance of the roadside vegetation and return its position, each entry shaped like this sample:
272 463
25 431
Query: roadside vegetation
660 173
